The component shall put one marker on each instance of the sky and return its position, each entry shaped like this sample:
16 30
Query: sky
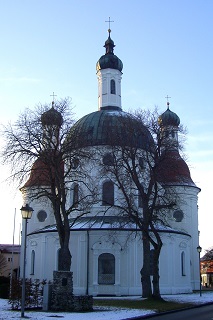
166 48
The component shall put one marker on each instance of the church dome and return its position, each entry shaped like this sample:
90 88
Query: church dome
51 117
39 175
169 118
110 126
42 173
172 169
109 60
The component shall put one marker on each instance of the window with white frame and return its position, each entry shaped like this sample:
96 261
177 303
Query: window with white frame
106 269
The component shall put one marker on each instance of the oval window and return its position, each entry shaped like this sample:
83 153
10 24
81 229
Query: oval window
42 215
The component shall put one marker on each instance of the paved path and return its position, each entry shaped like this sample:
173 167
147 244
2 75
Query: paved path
200 313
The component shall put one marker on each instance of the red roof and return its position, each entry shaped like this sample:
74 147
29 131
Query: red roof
172 169
41 174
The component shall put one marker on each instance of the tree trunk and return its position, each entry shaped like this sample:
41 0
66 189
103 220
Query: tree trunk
64 259
156 277
145 271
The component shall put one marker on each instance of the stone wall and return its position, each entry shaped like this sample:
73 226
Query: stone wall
62 298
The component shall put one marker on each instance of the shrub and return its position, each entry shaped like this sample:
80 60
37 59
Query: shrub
33 293
4 287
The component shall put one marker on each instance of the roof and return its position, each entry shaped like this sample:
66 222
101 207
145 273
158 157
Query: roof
109 60
169 118
39 175
9 248
107 223
51 117
110 126
172 169
42 173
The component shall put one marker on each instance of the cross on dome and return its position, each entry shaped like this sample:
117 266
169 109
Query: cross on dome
53 95
109 30
168 103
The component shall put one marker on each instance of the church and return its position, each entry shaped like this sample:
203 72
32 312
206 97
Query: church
107 256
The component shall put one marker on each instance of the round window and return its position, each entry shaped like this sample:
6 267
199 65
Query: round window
42 215
108 159
178 215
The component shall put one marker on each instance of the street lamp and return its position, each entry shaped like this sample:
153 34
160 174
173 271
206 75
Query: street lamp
199 249
26 213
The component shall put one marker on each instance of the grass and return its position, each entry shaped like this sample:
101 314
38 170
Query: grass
147 304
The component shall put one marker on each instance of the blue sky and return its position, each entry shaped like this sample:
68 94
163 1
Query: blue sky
166 47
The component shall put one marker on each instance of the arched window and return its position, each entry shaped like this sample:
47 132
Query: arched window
75 195
183 263
108 193
106 269
112 86
32 271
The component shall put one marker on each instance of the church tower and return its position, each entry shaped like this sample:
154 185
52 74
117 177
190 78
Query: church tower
169 122
109 74
42 172
51 122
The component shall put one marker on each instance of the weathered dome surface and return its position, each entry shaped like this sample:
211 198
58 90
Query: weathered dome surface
107 127
51 117
172 169
169 118
109 60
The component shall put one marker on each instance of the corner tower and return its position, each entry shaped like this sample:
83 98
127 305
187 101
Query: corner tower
109 72
169 123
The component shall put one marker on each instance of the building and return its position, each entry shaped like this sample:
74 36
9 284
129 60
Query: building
206 268
10 259
106 252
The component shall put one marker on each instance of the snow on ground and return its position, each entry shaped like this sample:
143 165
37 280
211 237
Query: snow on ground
101 313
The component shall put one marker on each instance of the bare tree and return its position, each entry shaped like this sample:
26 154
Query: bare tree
137 153
3 263
41 151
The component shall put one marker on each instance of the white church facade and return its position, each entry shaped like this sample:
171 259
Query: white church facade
106 257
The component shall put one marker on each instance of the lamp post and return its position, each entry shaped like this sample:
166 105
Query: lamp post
26 213
199 249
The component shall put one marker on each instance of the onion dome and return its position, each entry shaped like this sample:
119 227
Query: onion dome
52 117
172 169
108 127
169 118
109 60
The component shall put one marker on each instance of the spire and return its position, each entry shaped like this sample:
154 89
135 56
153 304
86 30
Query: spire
109 71
168 103
109 44
169 122
53 95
